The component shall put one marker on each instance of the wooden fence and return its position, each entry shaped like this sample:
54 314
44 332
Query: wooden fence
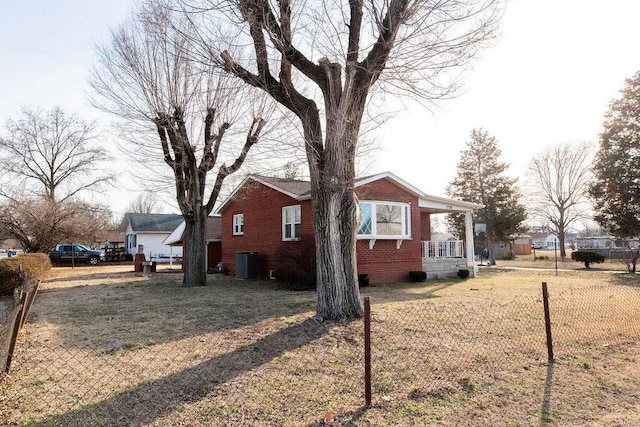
24 297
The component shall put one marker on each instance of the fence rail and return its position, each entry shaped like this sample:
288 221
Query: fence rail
23 300
445 249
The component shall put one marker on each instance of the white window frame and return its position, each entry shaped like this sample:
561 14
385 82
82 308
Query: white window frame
292 210
238 224
405 221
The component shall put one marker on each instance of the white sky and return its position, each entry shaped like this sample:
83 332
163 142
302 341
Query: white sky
549 79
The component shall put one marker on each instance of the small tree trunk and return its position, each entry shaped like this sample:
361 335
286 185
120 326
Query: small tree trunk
561 240
492 257
195 256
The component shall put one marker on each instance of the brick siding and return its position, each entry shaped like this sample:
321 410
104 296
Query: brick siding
262 210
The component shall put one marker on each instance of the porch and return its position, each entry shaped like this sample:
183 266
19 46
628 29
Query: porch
444 258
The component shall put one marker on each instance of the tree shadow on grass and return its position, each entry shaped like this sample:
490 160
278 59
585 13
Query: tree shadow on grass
90 317
146 403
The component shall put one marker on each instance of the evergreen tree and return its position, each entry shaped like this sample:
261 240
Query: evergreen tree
481 179
616 187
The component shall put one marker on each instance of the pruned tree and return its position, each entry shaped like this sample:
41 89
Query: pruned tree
148 77
557 188
48 160
321 61
481 178
615 191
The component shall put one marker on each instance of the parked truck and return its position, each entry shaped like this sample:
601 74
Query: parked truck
75 253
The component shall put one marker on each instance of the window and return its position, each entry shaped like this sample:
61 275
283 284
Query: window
238 224
291 222
384 220
131 241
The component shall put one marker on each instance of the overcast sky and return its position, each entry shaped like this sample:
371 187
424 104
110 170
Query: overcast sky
549 79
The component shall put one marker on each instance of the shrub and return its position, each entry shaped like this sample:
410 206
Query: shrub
417 276
35 267
296 263
588 257
363 280
463 273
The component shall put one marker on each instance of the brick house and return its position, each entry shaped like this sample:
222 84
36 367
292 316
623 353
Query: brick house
263 213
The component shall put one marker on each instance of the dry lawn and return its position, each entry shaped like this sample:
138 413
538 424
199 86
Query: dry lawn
108 347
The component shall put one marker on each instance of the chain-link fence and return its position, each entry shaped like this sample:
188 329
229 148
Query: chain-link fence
485 361
476 359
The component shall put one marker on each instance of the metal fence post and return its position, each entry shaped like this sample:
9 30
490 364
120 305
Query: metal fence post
367 351
547 320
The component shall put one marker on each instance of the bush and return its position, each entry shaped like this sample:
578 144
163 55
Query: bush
363 280
463 273
588 257
417 276
35 267
296 263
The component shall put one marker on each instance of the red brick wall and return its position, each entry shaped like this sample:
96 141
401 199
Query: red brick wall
262 209
385 262
425 226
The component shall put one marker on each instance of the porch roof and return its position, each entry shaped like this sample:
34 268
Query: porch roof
436 205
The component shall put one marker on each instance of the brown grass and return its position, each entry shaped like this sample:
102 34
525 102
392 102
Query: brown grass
528 261
106 346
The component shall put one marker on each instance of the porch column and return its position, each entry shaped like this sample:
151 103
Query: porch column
468 243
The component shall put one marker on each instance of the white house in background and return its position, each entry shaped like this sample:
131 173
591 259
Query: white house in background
150 231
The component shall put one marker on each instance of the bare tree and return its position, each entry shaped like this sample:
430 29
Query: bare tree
413 47
148 77
47 160
53 154
146 202
557 185
39 224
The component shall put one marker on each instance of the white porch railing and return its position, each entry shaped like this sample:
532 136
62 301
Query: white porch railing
446 249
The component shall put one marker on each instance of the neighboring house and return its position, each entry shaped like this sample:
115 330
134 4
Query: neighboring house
113 238
539 240
146 232
609 246
213 239
264 213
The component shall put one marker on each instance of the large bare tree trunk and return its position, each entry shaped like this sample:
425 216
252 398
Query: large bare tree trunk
335 223
195 256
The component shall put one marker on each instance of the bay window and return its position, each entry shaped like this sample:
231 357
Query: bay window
384 220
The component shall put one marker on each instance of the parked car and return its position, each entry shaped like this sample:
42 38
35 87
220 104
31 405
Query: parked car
76 253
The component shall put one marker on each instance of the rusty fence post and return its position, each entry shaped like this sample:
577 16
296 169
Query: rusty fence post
547 320
367 351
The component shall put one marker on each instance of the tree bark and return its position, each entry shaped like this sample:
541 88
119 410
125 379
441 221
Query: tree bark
335 215
195 266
